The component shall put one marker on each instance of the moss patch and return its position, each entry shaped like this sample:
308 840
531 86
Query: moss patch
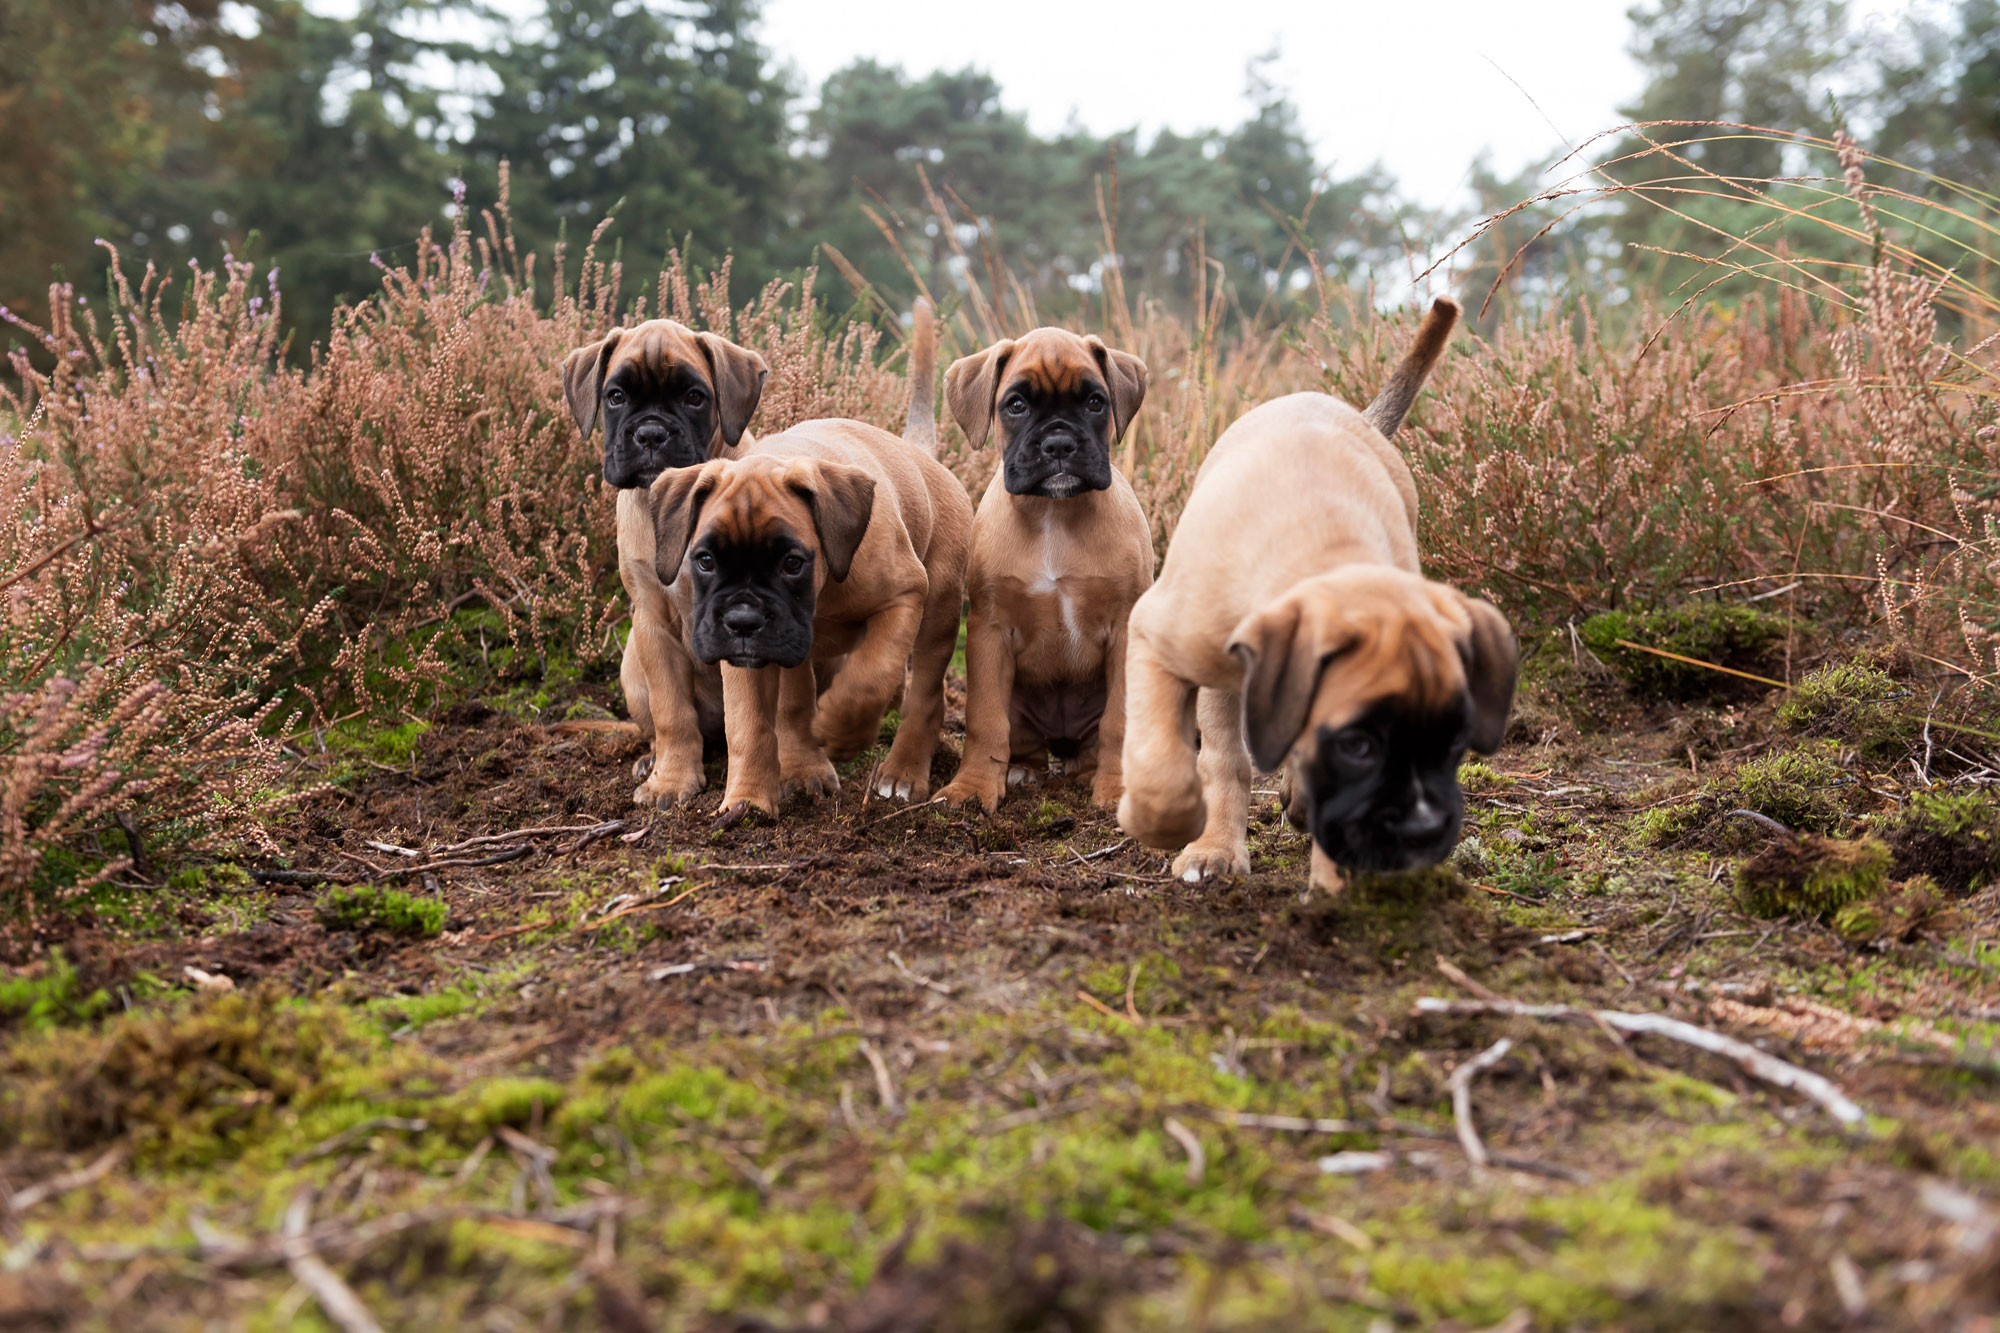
1812 877
390 911
1731 636
1852 702
1953 837
1798 788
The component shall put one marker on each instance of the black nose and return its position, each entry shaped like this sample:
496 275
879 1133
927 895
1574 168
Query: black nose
649 434
1059 446
1423 820
742 620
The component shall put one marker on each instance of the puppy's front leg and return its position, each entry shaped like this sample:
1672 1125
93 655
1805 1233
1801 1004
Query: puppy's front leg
749 719
1162 805
1326 876
1109 783
850 712
658 676
989 694
1222 848
802 764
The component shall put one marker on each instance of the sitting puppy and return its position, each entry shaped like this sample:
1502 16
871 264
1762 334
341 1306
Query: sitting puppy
670 398
1060 551
829 543
1292 601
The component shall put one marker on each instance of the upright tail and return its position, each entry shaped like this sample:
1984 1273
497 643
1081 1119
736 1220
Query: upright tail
921 428
1387 411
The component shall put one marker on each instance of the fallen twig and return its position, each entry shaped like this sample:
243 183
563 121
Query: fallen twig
898 814
1753 1061
1296 1124
335 1297
58 1185
366 1129
1197 1159
925 982
885 1087
1033 1115
1461 1099
1762 820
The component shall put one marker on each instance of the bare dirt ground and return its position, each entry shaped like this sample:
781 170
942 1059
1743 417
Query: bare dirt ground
882 1068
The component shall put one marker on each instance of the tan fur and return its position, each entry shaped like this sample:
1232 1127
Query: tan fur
1051 583
666 689
1298 542
898 606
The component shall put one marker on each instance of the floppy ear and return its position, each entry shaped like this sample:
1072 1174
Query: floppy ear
1126 375
842 500
583 379
676 500
969 387
1492 662
738 375
1282 664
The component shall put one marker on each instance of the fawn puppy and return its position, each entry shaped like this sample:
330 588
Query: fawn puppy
669 398
1290 614
1060 551
831 543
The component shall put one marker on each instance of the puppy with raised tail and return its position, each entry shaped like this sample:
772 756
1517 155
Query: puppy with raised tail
669 398
831 543
1060 551
1290 626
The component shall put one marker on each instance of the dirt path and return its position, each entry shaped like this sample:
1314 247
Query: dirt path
880 1069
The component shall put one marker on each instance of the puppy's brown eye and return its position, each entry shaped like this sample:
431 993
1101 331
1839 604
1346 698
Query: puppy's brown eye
695 398
1356 747
1015 406
615 397
704 562
1096 402
794 564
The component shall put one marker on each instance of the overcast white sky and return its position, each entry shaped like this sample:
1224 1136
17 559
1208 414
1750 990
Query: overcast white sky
1422 86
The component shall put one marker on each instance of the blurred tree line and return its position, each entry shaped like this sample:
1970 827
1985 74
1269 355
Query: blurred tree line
321 145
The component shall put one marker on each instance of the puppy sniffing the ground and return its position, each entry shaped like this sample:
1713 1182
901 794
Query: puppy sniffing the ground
1060 551
669 398
1290 614
831 542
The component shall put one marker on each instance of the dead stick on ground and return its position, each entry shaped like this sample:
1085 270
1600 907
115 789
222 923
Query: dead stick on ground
1197 1159
56 1186
923 981
1769 1068
1131 991
1298 1124
885 1087
335 1297
366 1129
898 814
1461 1099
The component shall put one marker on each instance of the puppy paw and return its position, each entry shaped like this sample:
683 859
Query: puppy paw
1106 788
965 791
812 774
641 767
844 742
1020 775
1167 823
1289 803
739 805
1326 876
666 789
892 783
1198 862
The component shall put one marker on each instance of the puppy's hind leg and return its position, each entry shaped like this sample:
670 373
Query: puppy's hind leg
1222 848
1162 804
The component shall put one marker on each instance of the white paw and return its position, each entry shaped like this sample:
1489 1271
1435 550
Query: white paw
889 789
1017 776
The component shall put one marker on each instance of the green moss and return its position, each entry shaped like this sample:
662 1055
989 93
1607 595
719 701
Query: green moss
1952 836
1915 905
1853 702
391 911
493 1102
1731 636
1812 877
1475 776
1666 825
48 995
1795 787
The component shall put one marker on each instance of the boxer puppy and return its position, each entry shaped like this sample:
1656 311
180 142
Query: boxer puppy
669 398
1290 614
1060 551
833 542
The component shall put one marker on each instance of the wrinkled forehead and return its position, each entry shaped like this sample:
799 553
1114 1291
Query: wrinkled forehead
1405 660
658 352
753 506
1053 363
